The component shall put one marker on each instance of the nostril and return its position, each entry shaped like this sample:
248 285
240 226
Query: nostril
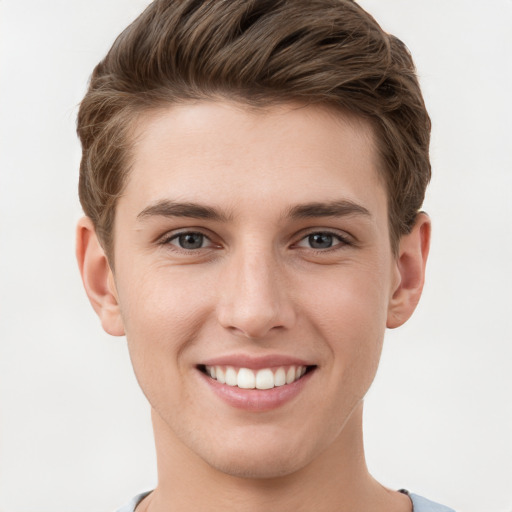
254 304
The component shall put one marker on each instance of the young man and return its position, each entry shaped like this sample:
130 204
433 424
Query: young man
252 176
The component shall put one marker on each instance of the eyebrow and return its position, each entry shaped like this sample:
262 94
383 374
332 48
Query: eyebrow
167 208
340 208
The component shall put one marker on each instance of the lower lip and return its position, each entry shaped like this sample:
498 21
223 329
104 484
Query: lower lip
257 400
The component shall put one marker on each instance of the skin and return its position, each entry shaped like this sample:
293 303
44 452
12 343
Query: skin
255 286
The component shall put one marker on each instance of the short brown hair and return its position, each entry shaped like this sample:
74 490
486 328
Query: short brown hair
259 52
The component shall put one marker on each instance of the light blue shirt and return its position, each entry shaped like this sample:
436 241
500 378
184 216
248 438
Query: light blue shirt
419 504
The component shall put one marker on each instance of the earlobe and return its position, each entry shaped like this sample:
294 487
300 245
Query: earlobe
411 263
98 278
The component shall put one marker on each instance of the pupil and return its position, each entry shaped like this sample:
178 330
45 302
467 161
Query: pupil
191 241
320 241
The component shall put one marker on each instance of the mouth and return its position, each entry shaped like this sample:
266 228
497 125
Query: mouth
261 379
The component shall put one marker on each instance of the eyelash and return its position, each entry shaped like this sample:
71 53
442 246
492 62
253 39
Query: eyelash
167 240
341 241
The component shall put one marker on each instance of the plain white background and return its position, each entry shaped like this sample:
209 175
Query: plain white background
75 430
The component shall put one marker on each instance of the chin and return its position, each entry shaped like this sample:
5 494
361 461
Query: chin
261 469
262 458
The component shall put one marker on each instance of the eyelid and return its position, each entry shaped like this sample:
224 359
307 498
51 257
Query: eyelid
342 237
170 236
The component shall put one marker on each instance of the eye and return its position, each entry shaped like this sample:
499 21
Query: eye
189 240
322 240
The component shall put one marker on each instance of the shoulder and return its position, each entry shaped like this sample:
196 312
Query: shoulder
421 504
130 506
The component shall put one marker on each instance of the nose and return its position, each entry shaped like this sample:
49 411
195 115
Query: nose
254 297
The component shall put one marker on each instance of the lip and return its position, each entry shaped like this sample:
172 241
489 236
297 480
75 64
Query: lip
256 363
256 400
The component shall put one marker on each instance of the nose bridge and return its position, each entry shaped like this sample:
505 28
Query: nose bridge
254 298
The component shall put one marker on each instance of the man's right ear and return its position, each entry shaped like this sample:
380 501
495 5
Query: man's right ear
98 278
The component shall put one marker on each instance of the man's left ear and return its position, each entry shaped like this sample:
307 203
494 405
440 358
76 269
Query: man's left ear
410 262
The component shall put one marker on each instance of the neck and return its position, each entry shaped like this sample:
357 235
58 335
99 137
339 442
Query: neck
337 480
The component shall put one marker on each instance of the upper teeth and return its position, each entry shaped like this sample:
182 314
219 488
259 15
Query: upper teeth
245 378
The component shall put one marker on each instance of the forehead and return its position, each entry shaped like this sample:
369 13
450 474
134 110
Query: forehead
228 153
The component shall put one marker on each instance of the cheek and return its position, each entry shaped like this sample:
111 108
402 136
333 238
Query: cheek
162 314
353 301
162 298
350 313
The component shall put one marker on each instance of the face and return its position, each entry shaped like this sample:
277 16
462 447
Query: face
254 275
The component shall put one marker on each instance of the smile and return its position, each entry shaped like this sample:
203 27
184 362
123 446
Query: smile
264 378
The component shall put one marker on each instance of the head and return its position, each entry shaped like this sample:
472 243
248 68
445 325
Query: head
255 171
260 53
